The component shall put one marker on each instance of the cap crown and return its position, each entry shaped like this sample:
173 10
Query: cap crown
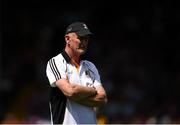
78 27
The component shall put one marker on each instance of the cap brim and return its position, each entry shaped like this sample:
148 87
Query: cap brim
84 33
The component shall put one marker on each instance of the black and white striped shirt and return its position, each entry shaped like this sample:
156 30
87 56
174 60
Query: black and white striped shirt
63 110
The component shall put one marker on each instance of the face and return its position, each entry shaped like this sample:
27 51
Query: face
77 43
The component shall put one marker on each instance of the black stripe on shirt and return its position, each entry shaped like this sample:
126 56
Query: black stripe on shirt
54 69
58 105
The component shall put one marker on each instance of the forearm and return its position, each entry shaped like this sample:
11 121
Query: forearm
93 101
83 95
74 91
82 92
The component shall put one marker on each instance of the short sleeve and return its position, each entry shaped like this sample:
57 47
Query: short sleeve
97 80
55 70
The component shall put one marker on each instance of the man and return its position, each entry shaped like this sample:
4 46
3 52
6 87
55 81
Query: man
75 83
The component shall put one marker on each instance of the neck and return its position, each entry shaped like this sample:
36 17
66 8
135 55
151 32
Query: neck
75 57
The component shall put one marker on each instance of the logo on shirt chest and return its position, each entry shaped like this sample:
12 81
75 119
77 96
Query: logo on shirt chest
87 78
90 74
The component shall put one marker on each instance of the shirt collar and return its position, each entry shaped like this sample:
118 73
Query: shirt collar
66 56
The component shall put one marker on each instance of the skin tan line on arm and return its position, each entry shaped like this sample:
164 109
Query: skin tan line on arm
74 91
97 100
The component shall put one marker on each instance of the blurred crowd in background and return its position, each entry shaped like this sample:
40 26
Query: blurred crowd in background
134 46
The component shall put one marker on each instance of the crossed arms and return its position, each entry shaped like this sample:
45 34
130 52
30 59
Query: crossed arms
89 96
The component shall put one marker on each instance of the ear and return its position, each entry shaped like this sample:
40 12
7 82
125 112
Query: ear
67 39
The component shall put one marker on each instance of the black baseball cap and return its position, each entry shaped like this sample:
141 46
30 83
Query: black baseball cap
80 28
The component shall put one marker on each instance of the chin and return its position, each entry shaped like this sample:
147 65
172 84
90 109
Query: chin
82 52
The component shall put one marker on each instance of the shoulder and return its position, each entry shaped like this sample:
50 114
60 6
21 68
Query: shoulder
57 58
57 61
89 64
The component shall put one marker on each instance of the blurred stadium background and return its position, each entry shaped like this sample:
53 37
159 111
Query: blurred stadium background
135 48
